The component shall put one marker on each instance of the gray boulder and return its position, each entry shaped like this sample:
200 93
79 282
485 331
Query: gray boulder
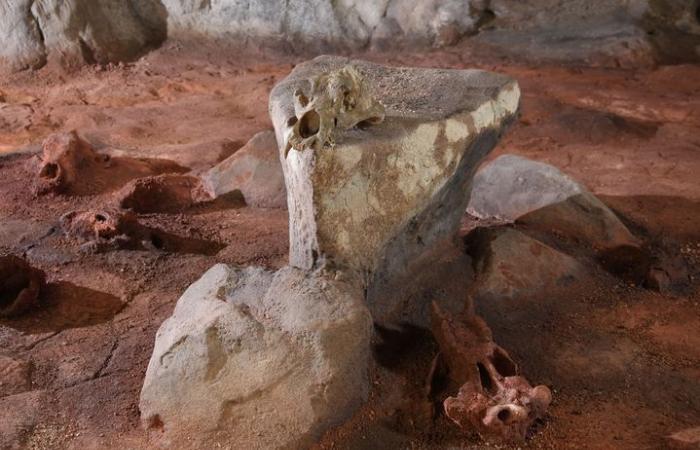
259 359
78 31
255 170
542 198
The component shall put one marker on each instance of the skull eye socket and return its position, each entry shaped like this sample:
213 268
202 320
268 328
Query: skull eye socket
50 170
309 124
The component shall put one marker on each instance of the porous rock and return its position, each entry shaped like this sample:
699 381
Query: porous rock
254 170
257 358
377 196
540 197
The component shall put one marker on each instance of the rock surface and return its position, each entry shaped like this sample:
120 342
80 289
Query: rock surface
373 198
262 359
539 196
254 170
511 265
342 203
626 32
79 31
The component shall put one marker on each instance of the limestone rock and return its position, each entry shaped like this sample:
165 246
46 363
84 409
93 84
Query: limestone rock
427 134
78 31
511 265
22 44
381 195
262 359
540 197
254 170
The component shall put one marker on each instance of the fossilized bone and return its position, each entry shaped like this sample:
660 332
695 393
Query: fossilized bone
338 100
493 398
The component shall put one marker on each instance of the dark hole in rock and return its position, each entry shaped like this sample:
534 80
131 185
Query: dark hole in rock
309 124
11 286
100 218
157 241
503 415
50 170
291 121
503 364
484 377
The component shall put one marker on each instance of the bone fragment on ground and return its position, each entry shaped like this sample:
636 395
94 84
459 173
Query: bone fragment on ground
69 165
493 398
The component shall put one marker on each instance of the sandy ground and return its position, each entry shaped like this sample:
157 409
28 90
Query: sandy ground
623 361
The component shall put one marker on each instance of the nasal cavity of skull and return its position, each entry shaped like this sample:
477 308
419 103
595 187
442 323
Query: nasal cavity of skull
504 415
503 364
50 170
309 124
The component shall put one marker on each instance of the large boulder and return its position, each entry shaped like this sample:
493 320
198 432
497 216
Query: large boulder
78 31
254 170
257 358
540 197
373 195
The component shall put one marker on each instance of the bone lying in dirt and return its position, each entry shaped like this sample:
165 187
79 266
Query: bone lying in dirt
493 398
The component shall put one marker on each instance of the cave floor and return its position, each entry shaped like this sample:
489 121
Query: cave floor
623 361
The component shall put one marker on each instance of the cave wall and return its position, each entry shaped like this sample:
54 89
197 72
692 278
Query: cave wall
599 32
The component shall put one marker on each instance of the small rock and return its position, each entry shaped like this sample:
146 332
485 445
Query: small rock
541 198
510 265
254 170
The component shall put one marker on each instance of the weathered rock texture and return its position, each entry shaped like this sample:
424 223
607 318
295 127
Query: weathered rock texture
378 163
379 196
541 198
510 265
254 170
78 31
624 32
258 359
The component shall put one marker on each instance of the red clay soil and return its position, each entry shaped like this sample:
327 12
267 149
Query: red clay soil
623 361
